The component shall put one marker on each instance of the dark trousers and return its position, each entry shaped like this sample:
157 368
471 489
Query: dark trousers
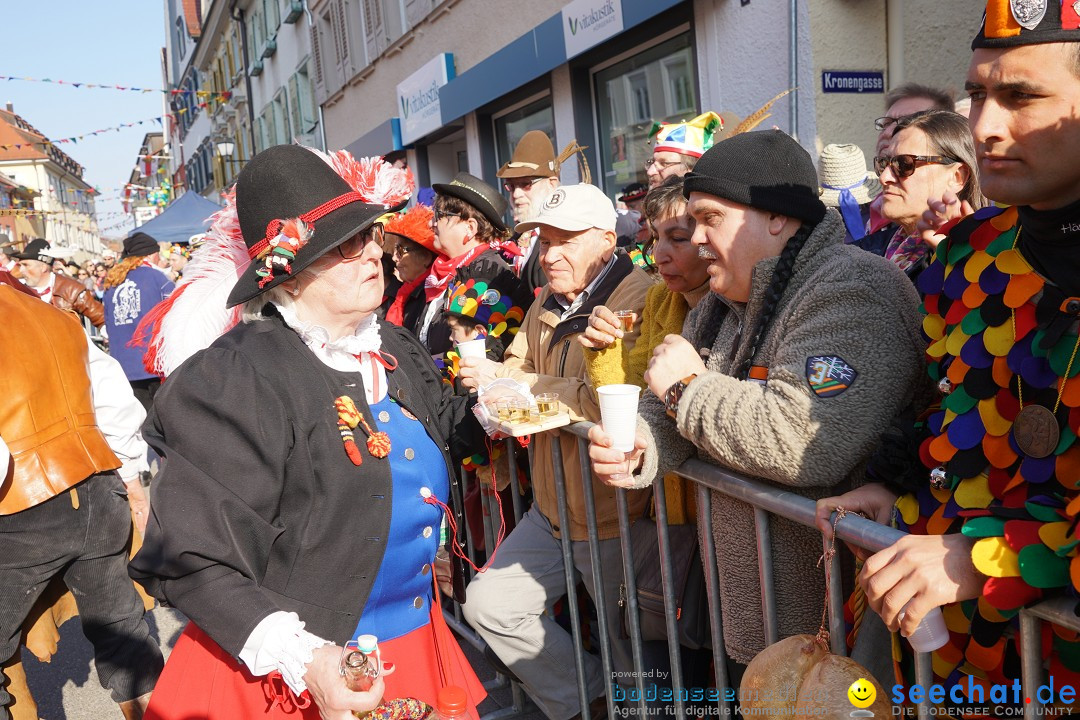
87 547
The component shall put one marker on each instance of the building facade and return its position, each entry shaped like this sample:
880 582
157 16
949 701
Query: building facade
148 188
15 200
240 81
64 201
457 82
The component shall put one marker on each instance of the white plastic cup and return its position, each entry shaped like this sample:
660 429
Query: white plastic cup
931 634
472 348
618 414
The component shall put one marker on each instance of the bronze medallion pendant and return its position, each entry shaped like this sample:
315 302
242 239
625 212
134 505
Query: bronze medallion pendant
1036 431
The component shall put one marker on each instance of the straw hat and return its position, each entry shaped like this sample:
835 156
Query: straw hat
843 167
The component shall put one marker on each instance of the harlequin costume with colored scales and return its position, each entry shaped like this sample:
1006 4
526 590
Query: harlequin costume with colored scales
484 294
1002 344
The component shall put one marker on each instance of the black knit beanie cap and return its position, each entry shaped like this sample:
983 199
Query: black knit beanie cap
767 170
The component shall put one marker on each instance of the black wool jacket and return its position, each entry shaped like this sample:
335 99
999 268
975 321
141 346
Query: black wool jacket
257 507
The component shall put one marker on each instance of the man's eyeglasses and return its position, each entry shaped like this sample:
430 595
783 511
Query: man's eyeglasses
905 165
354 246
401 250
524 184
661 165
884 122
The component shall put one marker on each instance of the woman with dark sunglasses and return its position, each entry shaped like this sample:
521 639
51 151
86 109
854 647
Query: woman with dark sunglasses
931 157
474 242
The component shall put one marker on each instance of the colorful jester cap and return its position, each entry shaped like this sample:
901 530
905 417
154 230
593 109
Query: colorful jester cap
1010 23
692 137
482 302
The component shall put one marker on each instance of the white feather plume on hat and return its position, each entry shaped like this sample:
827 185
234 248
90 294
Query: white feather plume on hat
195 315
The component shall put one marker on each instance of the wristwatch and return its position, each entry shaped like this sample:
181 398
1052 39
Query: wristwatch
674 394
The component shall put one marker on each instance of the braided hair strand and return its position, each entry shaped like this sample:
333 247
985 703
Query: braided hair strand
781 275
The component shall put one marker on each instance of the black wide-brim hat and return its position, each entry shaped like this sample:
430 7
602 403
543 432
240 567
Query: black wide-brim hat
479 194
36 249
285 182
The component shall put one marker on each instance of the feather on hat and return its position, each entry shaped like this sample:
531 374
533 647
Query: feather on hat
198 311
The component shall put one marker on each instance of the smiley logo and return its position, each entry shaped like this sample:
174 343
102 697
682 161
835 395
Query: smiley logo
862 693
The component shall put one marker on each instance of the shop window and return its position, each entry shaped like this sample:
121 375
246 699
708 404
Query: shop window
511 126
655 85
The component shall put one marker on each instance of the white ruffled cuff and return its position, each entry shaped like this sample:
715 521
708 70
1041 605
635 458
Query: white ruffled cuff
279 642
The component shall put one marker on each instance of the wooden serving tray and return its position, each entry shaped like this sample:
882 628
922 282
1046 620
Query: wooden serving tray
533 425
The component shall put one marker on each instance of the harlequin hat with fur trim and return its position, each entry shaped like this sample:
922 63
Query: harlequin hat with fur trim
477 193
692 137
293 208
415 225
730 125
1012 23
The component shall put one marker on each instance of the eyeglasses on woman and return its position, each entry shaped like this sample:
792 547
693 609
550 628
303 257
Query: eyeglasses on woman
354 246
905 165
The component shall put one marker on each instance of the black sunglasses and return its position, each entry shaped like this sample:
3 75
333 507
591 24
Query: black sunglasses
437 215
905 165
354 246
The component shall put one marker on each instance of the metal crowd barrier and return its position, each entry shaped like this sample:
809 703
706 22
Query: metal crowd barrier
766 500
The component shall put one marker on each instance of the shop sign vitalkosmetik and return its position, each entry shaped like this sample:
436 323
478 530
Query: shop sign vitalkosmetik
586 23
418 98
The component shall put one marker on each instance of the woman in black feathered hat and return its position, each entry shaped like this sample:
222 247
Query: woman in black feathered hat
300 502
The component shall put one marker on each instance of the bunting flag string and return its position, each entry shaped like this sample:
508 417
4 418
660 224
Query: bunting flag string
202 94
127 221
75 139
31 212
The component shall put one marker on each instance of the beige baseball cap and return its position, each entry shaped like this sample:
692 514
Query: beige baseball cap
574 208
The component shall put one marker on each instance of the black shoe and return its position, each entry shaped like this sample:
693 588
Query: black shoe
498 665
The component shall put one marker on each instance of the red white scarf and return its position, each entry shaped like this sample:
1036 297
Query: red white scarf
396 312
443 269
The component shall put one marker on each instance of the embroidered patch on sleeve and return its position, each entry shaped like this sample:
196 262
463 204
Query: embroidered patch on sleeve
829 375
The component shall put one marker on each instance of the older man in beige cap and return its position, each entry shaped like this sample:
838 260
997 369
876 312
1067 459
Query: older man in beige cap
507 603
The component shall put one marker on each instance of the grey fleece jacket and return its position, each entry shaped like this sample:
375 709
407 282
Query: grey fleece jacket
841 302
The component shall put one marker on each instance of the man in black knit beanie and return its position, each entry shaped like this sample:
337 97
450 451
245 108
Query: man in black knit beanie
812 347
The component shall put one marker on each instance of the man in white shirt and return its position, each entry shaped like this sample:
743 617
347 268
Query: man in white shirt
69 417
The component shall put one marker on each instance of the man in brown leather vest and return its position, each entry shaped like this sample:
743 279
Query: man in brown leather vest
61 291
63 511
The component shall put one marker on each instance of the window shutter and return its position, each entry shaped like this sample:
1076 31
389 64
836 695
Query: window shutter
342 30
317 61
417 10
374 32
298 128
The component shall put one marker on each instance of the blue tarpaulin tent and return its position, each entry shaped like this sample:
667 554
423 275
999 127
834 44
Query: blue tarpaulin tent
184 217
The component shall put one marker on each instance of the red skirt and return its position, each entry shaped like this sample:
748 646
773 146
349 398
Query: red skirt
203 682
